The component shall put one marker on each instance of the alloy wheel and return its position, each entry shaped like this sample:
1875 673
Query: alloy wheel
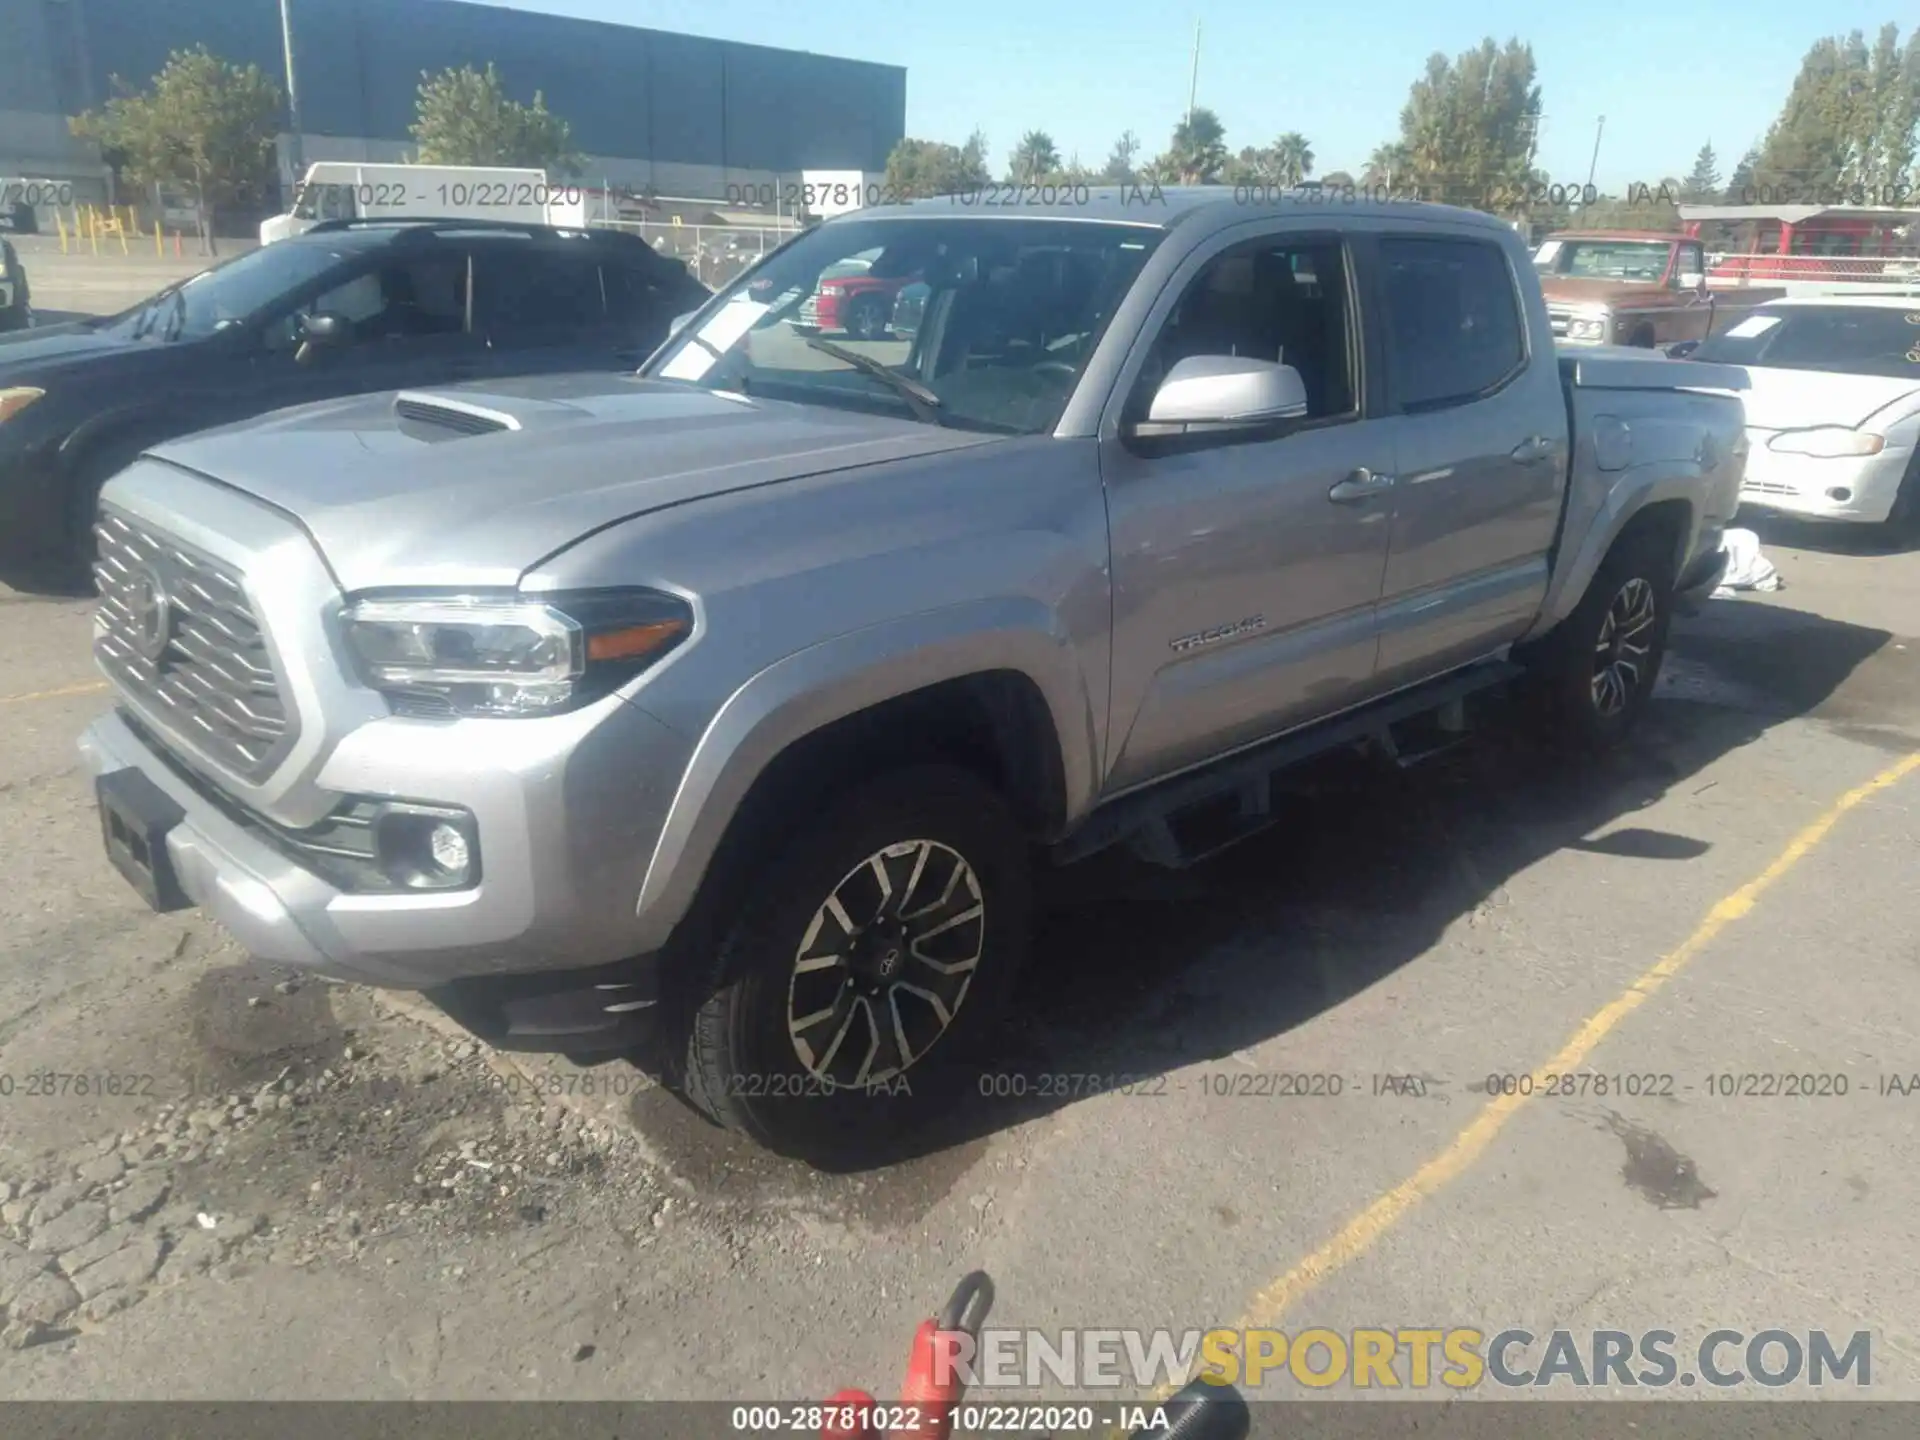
886 963
1625 646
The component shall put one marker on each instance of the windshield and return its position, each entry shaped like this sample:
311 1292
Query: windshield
979 323
1641 261
227 294
1843 339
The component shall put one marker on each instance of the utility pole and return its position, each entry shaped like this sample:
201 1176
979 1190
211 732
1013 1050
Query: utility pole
294 146
1193 86
1593 164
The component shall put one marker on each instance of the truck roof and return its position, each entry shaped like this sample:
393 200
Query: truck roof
1165 206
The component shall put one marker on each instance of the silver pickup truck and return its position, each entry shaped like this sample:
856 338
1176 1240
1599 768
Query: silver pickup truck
732 701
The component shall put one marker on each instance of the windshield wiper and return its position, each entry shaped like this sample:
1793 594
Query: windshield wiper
925 404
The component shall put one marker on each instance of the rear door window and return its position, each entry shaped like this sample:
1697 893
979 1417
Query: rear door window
1455 332
529 293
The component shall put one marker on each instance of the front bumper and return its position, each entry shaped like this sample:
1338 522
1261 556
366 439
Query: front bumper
1859 489
565 822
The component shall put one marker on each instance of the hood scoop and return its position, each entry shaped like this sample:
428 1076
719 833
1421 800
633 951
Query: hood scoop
436 417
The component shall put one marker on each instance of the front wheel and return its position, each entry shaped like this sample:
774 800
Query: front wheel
867 318
1595 673
871 959
1902 525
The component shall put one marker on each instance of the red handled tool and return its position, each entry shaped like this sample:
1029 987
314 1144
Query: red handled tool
933 1388
850 1417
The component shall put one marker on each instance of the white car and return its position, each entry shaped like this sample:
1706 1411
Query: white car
1833 412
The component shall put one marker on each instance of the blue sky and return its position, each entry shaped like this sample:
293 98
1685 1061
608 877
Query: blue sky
1667 77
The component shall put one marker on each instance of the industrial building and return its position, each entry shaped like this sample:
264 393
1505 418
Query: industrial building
681 114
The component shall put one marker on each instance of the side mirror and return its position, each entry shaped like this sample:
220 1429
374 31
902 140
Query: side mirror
675 325
1682 349
1691 280
1222 394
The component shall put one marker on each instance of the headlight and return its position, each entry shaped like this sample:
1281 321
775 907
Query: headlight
1590 327
475 656
1829 442
15 398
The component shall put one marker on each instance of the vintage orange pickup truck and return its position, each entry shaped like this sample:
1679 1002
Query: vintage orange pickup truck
1634 287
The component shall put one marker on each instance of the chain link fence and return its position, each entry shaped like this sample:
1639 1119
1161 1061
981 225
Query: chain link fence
714 253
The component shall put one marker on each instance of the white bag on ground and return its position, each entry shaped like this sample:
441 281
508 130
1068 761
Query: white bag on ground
1747 568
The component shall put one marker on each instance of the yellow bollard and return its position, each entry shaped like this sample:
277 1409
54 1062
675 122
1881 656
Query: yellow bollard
120 228
60 221
158 253
93 228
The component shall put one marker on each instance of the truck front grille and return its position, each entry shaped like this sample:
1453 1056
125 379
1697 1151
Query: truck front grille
176 632
1558 319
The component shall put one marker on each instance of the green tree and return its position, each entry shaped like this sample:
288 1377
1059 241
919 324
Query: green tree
1466 131
1196 155
1848 121
1339 180
1286 162
1702 185
1035 157
1387 166
1122 160
465 117
204 123
933 167
1740 183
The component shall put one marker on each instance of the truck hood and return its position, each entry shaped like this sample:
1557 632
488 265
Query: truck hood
1563 290
473 485
1795 399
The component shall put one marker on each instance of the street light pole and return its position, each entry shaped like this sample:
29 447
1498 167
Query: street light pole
1593 164
293 91
1193 86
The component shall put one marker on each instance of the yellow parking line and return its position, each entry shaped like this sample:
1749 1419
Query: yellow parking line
1358 1235
92 687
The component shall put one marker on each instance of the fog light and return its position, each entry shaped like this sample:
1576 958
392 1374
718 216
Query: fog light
449 849
1840 494
427 848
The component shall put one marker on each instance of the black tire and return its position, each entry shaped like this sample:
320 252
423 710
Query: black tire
743 1061
90 475
1628 608
867 318
1901 528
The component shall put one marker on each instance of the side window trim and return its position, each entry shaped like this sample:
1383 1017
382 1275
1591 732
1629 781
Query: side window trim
1174 289
1396 404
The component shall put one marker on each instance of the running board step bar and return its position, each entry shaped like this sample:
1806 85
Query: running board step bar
1191 817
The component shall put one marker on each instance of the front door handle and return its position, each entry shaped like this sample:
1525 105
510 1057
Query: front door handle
1532 450
1359 485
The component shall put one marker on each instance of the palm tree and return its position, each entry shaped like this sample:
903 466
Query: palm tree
1198 150
1387 165
1292 158
1034 157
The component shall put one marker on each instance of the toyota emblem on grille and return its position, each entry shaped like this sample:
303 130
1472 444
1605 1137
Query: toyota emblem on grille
151 609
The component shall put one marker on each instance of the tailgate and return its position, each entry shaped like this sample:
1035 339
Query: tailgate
1619 367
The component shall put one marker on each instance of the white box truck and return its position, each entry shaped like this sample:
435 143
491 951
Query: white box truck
343 190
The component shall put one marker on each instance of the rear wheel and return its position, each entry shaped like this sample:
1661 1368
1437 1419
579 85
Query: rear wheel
874 955
1595 673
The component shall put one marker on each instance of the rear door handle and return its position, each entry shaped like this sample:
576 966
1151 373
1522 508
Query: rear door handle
1358 486
1533 449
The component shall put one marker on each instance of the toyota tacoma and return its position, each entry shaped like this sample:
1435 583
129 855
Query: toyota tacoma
731 702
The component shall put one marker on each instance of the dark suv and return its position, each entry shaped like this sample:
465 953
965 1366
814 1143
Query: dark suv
347 307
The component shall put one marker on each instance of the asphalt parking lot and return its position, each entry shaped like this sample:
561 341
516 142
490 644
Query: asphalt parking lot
304 1191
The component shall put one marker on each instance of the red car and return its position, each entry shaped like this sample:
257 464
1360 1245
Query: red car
852 302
